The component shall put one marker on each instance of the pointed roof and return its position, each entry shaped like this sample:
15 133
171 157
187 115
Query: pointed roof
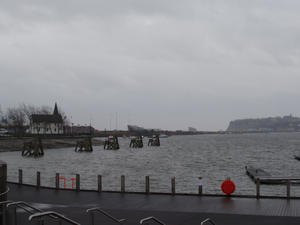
40 118
55 112
48 118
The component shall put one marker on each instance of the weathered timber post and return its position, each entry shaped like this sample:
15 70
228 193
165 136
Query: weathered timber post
77 182
122 183
200 186
147 184
3 190
20 176
15 216
257 188
38 179
3 180
99 183
57 181
173 185
288 189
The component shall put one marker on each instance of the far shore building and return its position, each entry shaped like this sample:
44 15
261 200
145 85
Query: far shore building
47 123
192 129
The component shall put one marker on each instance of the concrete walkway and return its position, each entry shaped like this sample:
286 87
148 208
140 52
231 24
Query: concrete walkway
176 210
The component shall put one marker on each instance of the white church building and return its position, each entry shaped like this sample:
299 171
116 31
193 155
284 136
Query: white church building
47 123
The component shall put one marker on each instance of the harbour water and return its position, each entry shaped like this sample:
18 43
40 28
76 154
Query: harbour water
213 157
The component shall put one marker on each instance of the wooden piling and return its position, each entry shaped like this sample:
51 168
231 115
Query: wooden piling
200 190
147 184
77 182
122 183
288 189
257 188
3 184
57 181
38 179
173 185
20 176
99 183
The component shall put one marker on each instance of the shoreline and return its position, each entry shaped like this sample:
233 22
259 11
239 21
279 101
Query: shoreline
16 144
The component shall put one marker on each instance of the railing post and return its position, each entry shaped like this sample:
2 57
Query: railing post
257 188
4 214
38 179
3 180
77 182
92 220
147 184
288 189
15 215
99 183
200 186
57 181
20 176
122 183
173 185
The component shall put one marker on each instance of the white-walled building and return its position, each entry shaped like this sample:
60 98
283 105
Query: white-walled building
47 123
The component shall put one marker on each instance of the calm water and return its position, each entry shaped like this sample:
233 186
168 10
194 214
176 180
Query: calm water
214 157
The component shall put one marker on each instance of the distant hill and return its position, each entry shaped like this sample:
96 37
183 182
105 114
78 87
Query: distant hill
285 123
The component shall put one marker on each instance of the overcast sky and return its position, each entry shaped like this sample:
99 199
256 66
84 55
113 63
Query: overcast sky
158 64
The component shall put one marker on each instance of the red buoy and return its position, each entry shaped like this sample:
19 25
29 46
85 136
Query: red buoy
228 187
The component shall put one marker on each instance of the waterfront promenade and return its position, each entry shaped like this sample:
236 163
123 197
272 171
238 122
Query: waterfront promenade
172 209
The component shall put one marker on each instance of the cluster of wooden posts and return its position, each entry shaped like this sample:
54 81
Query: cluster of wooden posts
33 148
84 145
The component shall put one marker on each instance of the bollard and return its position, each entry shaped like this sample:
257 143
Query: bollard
57 181
20 176
3 180
288 189
122 183
38 179
77 182
99 183
257 188
147 184
200 186
173 185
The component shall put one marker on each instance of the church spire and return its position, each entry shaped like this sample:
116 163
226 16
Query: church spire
55 112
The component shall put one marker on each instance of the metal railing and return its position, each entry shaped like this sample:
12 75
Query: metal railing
208 220
52 214
5 192
142 221
27 208
92 219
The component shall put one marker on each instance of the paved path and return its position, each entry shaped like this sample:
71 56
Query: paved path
176 210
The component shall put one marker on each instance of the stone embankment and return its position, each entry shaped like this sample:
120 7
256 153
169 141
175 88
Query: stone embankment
16 144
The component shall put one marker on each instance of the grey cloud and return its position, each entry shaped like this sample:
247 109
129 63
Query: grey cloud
168 64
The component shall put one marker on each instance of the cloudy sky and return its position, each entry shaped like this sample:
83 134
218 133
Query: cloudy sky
156 63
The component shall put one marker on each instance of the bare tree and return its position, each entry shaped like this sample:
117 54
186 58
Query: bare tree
44 110
16 118
66 120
